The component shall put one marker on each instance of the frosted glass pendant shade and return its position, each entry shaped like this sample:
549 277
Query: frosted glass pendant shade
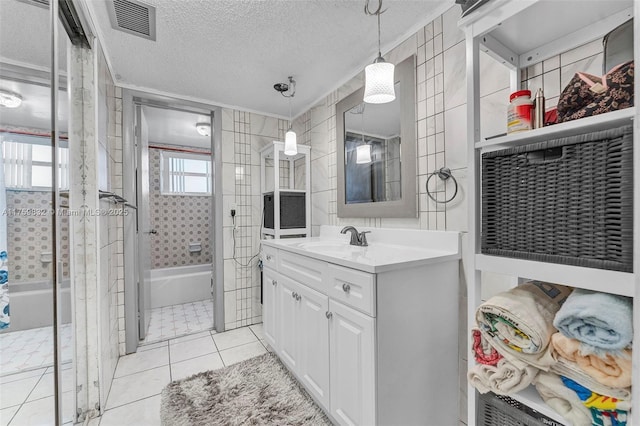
379 87
363 154
290 145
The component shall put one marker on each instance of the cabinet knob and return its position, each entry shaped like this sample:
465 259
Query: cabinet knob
293 294
268 257
346 287
274 282
298 297
328 314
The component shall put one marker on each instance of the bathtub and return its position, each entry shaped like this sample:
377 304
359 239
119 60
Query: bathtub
182 284
31 304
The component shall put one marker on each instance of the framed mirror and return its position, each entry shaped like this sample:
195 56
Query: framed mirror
376 151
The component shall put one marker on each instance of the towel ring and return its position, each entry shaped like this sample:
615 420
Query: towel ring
444 173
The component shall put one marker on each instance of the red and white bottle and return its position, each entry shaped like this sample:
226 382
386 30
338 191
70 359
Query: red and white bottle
520 112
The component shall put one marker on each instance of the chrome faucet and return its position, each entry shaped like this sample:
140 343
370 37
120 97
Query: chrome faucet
357 238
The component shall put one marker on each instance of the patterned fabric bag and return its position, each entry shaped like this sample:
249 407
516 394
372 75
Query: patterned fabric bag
588 95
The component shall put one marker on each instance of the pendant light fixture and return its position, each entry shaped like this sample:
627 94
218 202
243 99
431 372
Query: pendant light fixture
363 151
290 139
379 87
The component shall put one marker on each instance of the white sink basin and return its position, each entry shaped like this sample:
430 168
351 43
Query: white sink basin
328 246
387 249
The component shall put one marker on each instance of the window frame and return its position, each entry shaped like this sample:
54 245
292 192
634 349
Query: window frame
27 174
166 173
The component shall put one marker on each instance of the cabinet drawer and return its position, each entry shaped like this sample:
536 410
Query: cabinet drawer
353 288
303 269
270 257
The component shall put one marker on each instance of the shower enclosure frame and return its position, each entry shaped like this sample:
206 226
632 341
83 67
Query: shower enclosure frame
131 98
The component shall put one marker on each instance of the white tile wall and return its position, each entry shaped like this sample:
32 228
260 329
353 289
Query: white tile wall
243 135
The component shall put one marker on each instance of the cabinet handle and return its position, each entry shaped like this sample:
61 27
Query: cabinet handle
274 282
328 314
346 287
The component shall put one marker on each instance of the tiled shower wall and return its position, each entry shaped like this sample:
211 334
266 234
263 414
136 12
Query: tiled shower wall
243 136
111 230
179 220
30 237
441 123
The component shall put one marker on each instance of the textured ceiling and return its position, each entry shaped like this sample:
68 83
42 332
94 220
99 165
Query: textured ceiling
25 37
231 52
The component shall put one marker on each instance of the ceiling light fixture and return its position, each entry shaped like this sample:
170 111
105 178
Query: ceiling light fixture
203 129
379 87
10 99
290 138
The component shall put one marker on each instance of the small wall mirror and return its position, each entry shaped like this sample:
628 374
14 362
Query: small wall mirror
377 151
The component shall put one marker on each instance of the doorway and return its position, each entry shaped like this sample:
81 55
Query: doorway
174 168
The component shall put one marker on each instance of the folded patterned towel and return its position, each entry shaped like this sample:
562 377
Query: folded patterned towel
502 379
602 322
610 370
556 395
519 322
569 369
483 352
604 409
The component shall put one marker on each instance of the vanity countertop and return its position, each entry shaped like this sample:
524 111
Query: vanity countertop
388 249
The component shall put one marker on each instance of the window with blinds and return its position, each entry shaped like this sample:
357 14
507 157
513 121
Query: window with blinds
185 173
27 162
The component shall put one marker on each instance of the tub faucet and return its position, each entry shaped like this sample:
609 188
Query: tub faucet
357 238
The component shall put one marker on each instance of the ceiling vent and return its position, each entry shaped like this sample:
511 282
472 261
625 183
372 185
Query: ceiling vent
133 17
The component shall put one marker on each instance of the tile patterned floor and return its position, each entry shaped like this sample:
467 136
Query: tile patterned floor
178 320
32 349
26 398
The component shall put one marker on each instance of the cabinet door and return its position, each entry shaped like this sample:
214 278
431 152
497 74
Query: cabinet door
270 307
288 324
314 340
352 360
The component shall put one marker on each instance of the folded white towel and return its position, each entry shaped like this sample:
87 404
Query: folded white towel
564 401
502 379
519 322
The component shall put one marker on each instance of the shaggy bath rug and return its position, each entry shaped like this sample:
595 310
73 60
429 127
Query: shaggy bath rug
258 391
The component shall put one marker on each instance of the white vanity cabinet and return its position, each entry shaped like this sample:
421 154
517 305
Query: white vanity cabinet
371 343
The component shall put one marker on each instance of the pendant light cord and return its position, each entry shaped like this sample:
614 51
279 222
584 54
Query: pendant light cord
376 12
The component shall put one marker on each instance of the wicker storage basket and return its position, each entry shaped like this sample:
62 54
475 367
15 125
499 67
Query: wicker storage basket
567 200
494 410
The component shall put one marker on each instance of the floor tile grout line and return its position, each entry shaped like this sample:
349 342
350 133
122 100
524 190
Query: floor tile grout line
141 371
128 403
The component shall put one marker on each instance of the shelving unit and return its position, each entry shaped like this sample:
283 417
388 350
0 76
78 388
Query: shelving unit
281 175
520 33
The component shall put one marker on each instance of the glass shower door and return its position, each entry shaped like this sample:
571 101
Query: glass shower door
36 346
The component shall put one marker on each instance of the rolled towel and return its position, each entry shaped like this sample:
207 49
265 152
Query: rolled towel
483 352
610 370
519 322
592 399
502 379
564 367
565 403
604 409
602 322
